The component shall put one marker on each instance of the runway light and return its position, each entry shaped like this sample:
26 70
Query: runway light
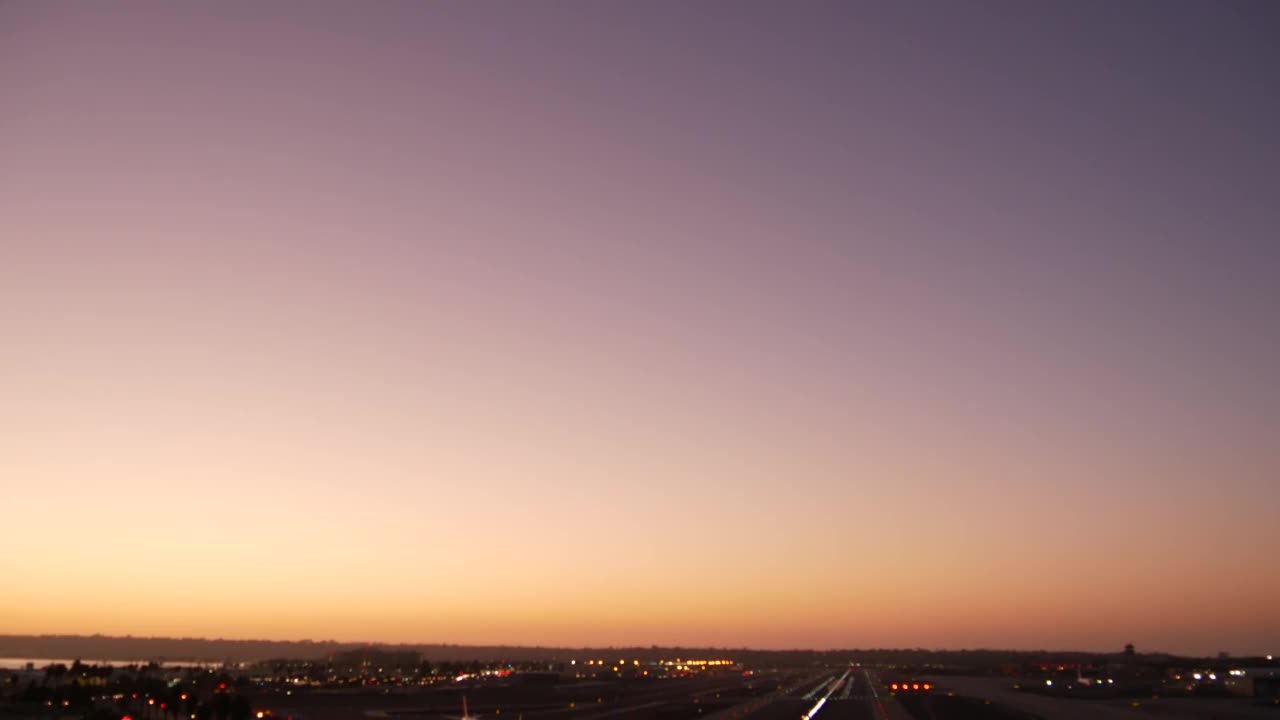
926 686
261 715
895 686
915 686
1049 683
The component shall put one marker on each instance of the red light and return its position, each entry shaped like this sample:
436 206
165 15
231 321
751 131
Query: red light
222 686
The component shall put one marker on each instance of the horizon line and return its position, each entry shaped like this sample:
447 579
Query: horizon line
519 646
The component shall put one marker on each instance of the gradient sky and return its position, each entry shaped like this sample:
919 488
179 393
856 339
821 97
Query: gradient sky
775 324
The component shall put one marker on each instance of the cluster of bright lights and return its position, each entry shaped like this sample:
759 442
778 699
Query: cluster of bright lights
917 686
677 664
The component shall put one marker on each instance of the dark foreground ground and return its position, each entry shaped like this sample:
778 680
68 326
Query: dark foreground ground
855 694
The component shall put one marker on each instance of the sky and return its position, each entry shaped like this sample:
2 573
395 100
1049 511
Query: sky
771 324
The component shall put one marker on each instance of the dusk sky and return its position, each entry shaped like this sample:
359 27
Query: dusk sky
780 324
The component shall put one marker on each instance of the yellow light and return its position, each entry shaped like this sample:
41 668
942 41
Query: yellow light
926 686
915 686
261 714
895 686
184 696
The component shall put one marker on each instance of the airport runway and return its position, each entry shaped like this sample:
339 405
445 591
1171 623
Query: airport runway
1020 704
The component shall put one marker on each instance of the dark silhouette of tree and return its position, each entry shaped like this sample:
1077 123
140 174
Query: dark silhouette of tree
34 693
55 673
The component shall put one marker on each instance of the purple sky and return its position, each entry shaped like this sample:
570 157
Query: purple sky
988 289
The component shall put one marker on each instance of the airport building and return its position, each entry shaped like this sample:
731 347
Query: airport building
1260 682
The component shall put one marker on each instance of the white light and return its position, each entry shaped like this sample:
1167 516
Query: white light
1212 676
1196 676
1049 683
1268 657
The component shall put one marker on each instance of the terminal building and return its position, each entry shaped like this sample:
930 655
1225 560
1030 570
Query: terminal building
1259 682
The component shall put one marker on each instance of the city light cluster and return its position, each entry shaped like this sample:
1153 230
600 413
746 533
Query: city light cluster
677 664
